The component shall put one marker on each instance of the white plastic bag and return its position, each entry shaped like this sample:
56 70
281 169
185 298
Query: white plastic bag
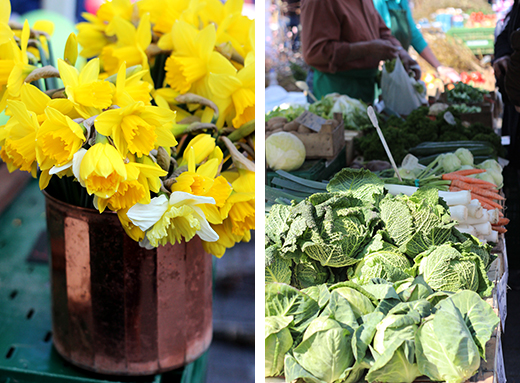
398 90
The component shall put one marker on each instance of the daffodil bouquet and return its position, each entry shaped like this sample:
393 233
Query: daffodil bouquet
157 125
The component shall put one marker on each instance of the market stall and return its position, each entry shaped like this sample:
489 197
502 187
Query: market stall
370 270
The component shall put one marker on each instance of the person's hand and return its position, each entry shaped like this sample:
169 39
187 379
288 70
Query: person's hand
448 74
500 66
410 64
383 49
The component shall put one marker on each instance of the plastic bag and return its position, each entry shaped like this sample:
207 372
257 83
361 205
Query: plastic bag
399 90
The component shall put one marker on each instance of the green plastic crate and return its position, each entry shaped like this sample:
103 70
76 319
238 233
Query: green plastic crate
479 40
26 351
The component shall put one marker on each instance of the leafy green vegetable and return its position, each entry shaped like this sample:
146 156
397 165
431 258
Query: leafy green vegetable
284 300
278 341
417 222
318 353
381 259
445 268
350 335
478 316
465 93
445 348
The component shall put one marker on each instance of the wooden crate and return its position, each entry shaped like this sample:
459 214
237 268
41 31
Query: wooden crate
325 144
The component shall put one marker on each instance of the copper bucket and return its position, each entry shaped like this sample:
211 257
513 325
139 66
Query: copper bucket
118 308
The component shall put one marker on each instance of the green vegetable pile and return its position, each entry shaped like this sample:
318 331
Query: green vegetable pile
357 232
464 93
401 135
378 332
355 118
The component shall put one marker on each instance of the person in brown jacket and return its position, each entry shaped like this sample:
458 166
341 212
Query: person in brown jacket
344 42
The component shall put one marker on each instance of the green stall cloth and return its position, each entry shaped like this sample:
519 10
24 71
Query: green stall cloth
355 83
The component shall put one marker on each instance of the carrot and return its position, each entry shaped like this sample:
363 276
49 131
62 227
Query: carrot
468 172
476 189
502 221
469 180
454 188
486 202
500 229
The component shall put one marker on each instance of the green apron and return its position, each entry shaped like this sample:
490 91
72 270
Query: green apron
355 83
400 27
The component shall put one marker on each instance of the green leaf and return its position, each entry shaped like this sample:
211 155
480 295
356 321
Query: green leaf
340 309
278 341
276 223
284 300
396 364
325 351
361 183
294 371
278 271
319 293
359 302
478 315
445 348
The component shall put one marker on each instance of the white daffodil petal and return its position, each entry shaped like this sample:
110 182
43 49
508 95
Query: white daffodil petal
76 163
206 232
58 169
179 196
145 216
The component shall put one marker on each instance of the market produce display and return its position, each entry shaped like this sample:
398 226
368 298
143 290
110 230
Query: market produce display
386 332
420 129
363 275
353 111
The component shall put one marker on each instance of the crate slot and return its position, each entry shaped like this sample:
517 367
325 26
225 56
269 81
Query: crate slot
48 337
13 294
30 313
10 352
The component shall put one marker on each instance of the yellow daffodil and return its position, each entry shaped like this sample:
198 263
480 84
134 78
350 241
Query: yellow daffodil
240 206
88 94
137 128
132 230
131 89
226 239
237 95
100 169
57 140
37 101
234 27
131 44
91 34
141 179
171 220
19 147
6 33
202 182
21 67
163 13
193 59
203 145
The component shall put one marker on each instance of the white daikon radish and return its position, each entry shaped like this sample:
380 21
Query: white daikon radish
459 213
493 216
475 210
476 221
483 228
493 237
398 189
467 229
462 197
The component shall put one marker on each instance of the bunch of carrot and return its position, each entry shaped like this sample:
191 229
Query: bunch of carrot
485 192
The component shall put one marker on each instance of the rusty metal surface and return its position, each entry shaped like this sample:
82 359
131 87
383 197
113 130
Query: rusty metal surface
121 309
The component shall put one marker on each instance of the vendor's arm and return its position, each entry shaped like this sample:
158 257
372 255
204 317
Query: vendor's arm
322 48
